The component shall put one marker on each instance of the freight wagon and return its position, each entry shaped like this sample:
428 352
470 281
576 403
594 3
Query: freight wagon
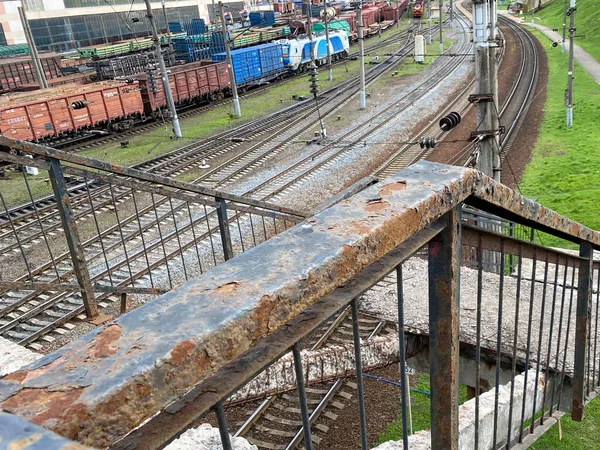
111 105
18 70
255 65
46 113
191 83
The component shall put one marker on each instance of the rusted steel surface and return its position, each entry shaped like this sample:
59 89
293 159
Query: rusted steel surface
116 377
18 434
63 201
444 333
584 306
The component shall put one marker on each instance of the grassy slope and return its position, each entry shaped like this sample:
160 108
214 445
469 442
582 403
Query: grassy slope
587 22
564 172
583 435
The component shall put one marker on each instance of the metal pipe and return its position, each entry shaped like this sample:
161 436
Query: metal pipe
571 65
223 429
302 397
40 75
163 72
359 380
361 60
236 101
402 352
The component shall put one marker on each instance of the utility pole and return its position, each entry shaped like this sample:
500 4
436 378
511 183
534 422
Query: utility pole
572 10
236 101
564 34
429 21
329 68
397 14
451 13
309 31
361 61
441 3
493 71
163 73
164 10
486 133
40 75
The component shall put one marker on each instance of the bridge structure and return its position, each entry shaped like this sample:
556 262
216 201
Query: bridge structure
513 319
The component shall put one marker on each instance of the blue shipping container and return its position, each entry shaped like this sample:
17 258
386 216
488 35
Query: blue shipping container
254 63
255 18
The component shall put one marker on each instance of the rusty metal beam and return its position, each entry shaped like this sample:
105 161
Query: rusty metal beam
40 150
493 241
71 287
72 236
115 378
444 333
584 306
18 434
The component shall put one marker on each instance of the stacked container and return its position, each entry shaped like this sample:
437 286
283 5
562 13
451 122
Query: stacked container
254 63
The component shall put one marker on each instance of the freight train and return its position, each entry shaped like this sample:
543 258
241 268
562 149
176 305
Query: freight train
71 110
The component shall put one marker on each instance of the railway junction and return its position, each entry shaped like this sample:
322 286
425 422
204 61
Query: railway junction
275 286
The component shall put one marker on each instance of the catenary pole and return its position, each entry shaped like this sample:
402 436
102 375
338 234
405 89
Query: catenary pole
564 33
451 13
163 72
361 61
429 21
488 161
329 68
164 11
571 63
236 101
441 3
309 30
40 75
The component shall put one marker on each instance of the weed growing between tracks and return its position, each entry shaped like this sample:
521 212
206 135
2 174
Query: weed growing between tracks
564 171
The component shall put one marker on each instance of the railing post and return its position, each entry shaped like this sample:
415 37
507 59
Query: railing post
79 264
224 228
444 334
584 303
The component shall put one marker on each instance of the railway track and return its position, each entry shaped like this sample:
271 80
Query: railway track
32 315
276 423
513 111
91 141
35 314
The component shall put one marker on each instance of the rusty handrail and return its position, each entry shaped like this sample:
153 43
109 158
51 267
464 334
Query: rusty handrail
116 377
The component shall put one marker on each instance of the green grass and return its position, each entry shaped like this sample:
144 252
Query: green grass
420 408
564 172
587 22
583 435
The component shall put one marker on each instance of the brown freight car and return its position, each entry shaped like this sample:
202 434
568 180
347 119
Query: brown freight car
18 70
76 78
49 113
190 83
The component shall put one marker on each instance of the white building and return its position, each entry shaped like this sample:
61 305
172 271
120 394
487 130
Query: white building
62 25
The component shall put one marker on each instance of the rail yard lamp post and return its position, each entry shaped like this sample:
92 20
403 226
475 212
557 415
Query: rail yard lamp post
236 101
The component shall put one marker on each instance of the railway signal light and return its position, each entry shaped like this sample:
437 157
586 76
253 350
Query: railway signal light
450 121
79 104
427 142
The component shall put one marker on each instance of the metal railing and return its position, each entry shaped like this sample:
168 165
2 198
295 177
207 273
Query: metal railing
107 231
523 338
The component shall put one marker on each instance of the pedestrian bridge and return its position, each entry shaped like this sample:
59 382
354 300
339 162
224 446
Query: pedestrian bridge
473 302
